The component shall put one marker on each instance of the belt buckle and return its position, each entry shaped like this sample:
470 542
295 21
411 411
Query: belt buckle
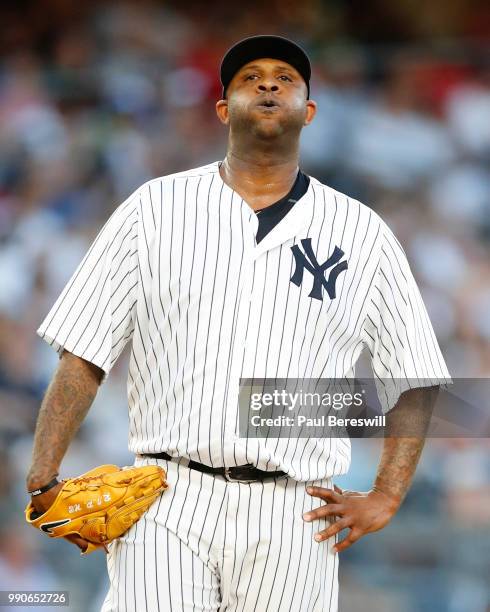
230 478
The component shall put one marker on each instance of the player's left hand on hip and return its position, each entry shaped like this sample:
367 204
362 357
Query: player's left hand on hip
360 512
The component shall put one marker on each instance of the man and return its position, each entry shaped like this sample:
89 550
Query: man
240 269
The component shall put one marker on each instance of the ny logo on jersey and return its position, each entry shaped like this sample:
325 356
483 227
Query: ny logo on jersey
308 261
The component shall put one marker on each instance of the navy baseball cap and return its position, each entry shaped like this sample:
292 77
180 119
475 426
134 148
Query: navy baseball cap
256 47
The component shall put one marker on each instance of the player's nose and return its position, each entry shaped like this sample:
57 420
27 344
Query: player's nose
267 85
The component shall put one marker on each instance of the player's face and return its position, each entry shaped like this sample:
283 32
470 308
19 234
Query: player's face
266 98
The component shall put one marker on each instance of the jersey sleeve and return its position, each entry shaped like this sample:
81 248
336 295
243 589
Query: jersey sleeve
93 317
397 330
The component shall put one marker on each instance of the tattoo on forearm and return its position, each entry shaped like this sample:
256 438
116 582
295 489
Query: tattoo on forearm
397 466
401 454
65 405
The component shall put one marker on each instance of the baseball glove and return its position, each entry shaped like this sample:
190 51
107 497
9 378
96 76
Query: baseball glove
101 504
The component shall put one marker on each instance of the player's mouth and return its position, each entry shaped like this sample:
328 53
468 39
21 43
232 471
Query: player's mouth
268 104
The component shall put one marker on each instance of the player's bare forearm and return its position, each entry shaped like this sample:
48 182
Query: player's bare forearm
366 512
406 428
65 405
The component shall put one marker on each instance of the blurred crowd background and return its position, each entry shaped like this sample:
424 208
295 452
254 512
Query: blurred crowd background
98 97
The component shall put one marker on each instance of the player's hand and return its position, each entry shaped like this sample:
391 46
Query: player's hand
42 502
361 513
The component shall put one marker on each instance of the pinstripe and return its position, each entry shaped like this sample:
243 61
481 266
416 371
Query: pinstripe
386 306
421 336
441 366
329 306
308 370
321 572
256 547
76 298
349 299
242 367
99 296
272 317
197 326
118 583
145 580
297 373
214 536
289 555
159 277
179 562
151 316
233 334
178 272
140 376
282 537
181 573
236 526
170 582
188 302
72 284
333 604
213 301
268 551
261 309
145 235
125 571
246 488
223 313
352 278
171 410
136 405
300 557
309 317
146 387
179 437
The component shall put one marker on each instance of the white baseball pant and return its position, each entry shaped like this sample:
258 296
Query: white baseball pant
210 544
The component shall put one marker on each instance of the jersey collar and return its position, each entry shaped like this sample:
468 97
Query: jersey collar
295 222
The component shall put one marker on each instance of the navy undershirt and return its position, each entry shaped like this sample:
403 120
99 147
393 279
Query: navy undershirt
271 215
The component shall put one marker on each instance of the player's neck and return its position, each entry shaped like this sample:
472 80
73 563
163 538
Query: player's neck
260 180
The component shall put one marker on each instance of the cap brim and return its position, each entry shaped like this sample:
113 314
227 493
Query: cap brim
256 47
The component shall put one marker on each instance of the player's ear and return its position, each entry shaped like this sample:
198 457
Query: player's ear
310 111
222 111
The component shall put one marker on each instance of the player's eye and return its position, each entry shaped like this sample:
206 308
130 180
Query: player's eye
285 77
251 76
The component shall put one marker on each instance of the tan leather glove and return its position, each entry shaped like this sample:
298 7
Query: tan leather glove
100 505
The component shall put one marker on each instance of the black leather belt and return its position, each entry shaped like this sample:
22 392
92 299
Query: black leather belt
243 473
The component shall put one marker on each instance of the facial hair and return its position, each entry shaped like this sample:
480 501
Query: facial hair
247 120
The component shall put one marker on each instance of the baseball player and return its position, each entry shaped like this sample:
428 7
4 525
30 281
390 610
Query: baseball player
242 268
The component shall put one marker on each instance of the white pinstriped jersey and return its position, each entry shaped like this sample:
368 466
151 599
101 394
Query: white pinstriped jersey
177 270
